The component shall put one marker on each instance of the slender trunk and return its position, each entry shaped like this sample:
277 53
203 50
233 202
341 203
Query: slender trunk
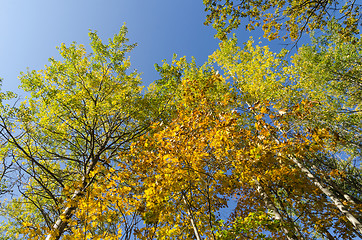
273 209
189 213
210 211
340 191
354 221
280 202
62 221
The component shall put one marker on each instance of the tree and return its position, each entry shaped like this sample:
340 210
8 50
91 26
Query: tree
251 153
261 75
192 168
80 113
328 72
275 17
217 151
179 166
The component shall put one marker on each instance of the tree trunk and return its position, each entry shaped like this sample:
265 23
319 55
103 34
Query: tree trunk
273 209
62 221
189 213
354 221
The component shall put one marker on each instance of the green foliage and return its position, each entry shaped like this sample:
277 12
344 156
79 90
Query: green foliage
95 158
242 226
275 16
81 112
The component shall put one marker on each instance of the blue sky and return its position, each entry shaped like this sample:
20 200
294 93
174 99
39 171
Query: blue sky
31 30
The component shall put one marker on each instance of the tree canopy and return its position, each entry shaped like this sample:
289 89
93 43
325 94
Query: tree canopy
283 19
249 145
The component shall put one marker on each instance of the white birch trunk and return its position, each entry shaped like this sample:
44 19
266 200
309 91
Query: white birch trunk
189 213
354 221
273 209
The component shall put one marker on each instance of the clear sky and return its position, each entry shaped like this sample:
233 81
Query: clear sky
31 30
